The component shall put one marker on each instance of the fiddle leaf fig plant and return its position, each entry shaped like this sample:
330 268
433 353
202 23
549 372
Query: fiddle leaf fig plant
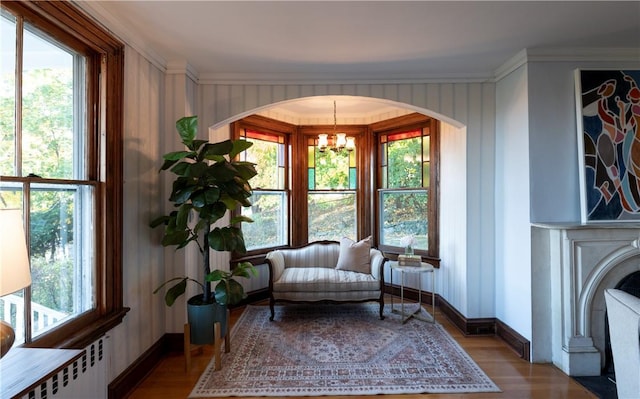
209 183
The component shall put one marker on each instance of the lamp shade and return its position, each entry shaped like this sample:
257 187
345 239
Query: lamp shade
15 272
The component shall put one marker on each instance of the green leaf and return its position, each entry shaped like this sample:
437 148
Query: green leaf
213 212
212 195
174 292
183 216
240 219
198 200
227 238
182 196
246 170
229 202
197 169
158 221
222 239
188 129
175 238
221 148
177 155
167 164
238 147
197 143
244 269
217 275
181 168
229 292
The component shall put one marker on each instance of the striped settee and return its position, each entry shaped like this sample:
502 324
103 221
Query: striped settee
308 274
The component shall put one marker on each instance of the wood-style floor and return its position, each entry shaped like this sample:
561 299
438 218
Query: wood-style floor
515 377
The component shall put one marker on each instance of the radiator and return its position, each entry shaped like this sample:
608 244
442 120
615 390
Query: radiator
86 378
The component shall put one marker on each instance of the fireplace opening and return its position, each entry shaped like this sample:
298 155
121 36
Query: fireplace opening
630 284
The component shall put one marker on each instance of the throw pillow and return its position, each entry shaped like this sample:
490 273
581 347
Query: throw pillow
355 256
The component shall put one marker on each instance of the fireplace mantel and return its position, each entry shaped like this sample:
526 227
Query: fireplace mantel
572 264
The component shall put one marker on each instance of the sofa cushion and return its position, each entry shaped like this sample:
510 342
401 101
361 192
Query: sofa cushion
314 255
322 279
355 256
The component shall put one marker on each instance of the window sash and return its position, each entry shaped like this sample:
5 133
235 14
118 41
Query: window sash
270 215
102 120
397 222
332 215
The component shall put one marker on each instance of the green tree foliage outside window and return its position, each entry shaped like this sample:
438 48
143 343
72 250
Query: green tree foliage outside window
332 194
269 209
47 147
404 194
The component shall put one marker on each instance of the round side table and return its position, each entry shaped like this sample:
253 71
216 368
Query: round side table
419 312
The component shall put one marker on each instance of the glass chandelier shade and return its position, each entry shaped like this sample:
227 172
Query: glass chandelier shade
338 141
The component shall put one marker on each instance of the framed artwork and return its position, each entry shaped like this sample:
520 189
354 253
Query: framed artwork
608 119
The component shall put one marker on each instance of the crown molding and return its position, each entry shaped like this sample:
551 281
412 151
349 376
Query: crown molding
584 54
329 79
105 19
510 65
182 68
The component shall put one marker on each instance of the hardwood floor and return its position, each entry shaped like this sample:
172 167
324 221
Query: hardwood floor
515 377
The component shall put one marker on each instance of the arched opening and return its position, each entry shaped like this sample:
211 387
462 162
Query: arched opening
360 109
350 110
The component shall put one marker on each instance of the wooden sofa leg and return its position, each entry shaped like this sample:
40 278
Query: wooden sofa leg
382 309
271 307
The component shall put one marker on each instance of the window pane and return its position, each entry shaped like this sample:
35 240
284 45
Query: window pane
269 209
332 216
269 213
404 213
48 119
332 170
62 254
405 163
269 159
7 95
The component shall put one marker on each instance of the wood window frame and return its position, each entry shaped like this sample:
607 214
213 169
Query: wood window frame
400 124
368 180
300 184
271 126
105 95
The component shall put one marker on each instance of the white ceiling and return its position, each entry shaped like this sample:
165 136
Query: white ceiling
362 40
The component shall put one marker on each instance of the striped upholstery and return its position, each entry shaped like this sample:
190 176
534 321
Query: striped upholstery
323 279
314 255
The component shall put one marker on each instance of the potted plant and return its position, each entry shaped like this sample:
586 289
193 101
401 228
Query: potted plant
209 183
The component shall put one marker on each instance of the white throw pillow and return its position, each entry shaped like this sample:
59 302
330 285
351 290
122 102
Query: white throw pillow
355 256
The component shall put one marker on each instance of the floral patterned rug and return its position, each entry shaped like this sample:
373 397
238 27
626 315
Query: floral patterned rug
339 350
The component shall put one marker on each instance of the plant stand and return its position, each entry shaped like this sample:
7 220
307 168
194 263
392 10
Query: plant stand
189 348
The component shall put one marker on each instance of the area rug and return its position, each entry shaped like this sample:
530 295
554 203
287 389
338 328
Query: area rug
339 350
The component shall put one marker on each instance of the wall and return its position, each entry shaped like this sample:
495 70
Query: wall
513 247
142 258
553 135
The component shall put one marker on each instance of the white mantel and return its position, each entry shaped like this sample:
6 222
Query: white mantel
571 267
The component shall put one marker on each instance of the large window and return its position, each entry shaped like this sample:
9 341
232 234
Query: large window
407 196
331 193
269 210
53 167
386 187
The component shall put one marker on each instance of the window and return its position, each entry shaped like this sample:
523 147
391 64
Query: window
327 195
60 163
406 196
269 210
331 193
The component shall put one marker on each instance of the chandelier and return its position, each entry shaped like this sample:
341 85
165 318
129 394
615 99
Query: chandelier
338 141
